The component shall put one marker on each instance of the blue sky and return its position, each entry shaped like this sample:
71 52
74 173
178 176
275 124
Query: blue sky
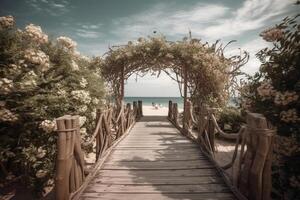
97 24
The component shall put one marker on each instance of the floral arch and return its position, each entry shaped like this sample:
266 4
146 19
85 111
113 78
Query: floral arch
200 69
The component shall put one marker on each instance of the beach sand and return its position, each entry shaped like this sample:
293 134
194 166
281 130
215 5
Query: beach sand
161 111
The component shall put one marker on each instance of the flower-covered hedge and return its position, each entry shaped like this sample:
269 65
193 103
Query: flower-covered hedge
40 80
274 91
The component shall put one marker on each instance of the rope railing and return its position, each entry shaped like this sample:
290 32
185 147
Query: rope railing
111 125
255 139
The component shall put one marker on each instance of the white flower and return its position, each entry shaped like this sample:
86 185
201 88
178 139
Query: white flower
29 80
83 83
83 131
35 33
41 152
41 173
95 101
7 116
37 57
285 98
6 22
82 108
82 95
74 65
82 120
266 90
67 43
6 85
94 114
289 116
169 56
48 126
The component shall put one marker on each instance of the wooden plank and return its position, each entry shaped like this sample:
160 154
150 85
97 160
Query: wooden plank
188 189
162 196
139 180
157 173
159 165
157 157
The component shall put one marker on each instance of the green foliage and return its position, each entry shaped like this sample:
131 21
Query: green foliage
230 116
41 80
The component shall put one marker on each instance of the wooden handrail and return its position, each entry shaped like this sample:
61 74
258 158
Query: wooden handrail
255 158
70 164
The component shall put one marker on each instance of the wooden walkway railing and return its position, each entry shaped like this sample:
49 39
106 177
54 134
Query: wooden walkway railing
111 125
255 141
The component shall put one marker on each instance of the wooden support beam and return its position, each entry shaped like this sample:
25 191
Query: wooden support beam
185 98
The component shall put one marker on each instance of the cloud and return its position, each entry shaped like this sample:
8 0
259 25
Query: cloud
162 18
206 20
51 7
252 15
85 33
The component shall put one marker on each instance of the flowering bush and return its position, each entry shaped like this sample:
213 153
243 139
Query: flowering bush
40 80
274 91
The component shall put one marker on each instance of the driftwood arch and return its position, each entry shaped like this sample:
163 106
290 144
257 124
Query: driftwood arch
200 69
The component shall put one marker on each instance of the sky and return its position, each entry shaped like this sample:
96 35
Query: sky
97 24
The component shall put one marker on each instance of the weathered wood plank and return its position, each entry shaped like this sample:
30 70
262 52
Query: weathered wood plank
179 180
163 196
157 173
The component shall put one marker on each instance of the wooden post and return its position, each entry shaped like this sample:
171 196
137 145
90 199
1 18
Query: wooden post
255 175
211 134
175 114
185 97
140 108
122 85
170 110
135 109
128 119
65 148
98 138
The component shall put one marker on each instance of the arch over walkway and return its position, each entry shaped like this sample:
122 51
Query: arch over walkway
200 69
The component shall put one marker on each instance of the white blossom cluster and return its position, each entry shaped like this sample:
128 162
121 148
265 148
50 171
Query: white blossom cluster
29 80
6 22
272 34
41 173
67 43
82 120
82 96
289 115
48 126
6 85
74 65
36 34
285 98
95 101
7 116
266 90
37 57
82 108
41 152
83 82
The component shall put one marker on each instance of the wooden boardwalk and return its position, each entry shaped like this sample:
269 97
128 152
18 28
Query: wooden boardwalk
156 162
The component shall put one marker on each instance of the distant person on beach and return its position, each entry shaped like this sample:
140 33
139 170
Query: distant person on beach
156 106
160 105
153 104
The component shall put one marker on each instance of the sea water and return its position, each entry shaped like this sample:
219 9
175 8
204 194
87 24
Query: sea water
164 101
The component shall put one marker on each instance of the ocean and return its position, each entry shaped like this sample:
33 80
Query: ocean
164 101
